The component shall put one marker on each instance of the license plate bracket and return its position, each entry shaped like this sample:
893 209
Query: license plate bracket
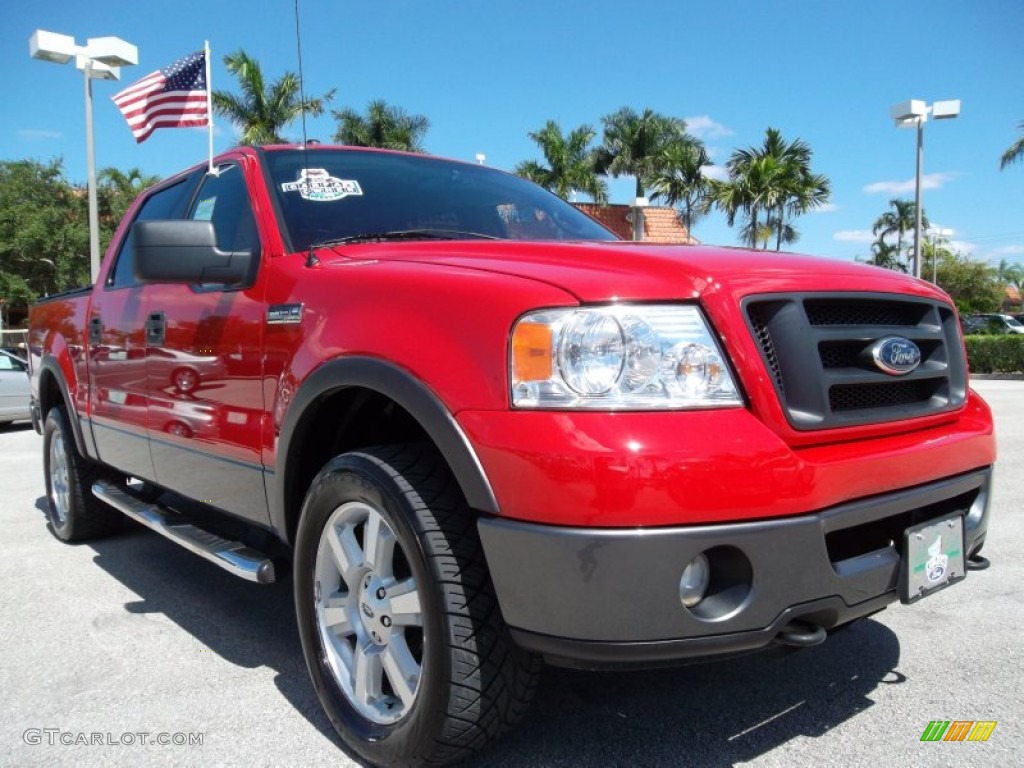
933 557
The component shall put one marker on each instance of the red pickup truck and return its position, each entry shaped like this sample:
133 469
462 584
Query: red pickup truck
483 432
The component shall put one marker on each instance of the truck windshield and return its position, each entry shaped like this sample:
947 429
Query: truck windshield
337 196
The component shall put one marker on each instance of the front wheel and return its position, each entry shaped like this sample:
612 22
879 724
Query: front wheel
400 626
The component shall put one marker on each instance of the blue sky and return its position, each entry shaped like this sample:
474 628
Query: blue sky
486 73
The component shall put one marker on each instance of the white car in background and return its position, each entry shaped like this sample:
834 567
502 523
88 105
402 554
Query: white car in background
14 388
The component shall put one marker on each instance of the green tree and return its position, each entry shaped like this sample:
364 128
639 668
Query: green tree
1010 274
752 187
570 163
886 255
1015 151
633 144
776 179
261 113
44 231
116 190
680 181
973 285
898 221
802 191
384 126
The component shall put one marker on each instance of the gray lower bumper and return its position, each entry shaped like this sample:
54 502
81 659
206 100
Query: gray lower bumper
607 596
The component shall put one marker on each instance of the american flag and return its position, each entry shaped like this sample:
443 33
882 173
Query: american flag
172 97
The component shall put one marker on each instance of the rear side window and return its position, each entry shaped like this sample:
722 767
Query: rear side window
167 203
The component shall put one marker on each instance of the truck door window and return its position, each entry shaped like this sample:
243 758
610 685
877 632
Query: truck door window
224 200
167 203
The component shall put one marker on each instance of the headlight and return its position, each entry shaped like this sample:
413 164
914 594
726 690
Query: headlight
623 356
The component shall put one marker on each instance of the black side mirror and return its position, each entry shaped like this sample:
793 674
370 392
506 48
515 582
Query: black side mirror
182 251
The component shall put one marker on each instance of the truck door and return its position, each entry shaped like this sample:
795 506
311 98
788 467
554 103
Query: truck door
204 391
116 332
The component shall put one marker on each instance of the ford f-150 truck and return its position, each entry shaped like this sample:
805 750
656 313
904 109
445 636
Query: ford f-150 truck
483 432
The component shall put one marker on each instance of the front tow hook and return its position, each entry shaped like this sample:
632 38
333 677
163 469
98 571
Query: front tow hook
801 635
977 563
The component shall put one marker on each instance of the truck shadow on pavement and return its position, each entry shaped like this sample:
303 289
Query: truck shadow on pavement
246 624
711 714
708 714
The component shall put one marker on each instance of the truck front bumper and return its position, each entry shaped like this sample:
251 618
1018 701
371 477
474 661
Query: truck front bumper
597 597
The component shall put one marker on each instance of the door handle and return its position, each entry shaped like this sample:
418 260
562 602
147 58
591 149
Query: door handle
95 330
155 329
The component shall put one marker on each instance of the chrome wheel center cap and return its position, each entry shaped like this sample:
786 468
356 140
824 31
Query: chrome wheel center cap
375 609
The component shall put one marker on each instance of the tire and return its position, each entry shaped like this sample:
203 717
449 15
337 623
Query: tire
74 513
185 380
400 627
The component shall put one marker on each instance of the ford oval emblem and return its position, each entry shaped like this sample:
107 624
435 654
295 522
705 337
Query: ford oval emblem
895 355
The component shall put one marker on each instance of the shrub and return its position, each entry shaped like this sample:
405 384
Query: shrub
1002 353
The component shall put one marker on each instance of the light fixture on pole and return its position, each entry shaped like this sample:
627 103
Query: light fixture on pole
101 58
915 113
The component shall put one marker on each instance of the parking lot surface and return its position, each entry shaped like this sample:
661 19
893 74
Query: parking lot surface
112 646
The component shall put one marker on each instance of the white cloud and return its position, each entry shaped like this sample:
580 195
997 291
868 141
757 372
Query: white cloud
962 246
826 208
717 172
34 134
854 236
703 127
928 181
1009 250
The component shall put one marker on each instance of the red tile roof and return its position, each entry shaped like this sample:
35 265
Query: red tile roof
661 224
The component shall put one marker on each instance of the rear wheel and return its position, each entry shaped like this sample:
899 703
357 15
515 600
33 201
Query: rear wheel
74 513
399 623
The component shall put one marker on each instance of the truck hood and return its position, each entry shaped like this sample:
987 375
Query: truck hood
625 271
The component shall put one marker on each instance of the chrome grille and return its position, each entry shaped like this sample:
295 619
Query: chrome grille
817 348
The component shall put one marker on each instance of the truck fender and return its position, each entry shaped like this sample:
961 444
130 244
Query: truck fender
404 389
49 366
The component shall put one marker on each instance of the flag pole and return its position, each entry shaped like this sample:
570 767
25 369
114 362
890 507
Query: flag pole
209 100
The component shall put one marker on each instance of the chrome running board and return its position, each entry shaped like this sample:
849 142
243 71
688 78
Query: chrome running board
233 556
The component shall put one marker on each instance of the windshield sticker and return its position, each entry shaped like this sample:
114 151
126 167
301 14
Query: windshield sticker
318 185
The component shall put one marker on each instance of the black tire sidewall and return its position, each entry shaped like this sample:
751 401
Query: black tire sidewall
354 477
56 428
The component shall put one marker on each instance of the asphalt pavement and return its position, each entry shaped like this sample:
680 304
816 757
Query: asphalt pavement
113 646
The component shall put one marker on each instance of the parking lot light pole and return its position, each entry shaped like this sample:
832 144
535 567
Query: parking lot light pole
101 58
915 113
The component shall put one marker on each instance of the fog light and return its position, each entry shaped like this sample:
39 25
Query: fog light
694 581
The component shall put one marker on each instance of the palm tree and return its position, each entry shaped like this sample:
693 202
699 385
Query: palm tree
755 184
681 182
900 220
115 192
884 254
261 113
633 144
1015 151
730 197
800 191
779 180
774 178
383 126
570 163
